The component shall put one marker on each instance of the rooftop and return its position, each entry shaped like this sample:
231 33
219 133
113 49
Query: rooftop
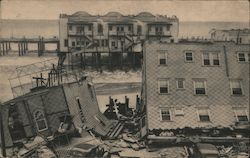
117 16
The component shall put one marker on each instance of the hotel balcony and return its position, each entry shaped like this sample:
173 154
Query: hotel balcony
159 33
83 33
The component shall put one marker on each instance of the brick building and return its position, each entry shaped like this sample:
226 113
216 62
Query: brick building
190 87
113 38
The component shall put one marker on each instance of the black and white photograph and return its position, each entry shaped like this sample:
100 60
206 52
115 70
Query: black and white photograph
124 78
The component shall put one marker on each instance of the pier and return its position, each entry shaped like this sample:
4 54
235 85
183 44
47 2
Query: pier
23 45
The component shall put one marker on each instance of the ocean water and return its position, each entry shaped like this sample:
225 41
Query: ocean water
50 28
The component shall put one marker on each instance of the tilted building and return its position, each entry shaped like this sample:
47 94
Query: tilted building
239 36
45 110
195 88
112 38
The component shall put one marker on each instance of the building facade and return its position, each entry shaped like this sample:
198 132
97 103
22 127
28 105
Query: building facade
239 36
94 38
54 110
194 86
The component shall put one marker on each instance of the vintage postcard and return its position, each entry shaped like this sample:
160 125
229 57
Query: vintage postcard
124 78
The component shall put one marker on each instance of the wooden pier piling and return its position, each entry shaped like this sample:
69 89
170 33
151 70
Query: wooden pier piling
5 44
0 50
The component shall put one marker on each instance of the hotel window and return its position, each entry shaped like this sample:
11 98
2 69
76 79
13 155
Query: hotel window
158 30
211 58
180 83
129 28
70 27
200 87
216 60
110 28
106 42
206 60
90 27
66 43
188 56
162 56
40 121
203 115
168 27
163 86
73 44
236 87
241 115
80 29
139 30
165 115
241 57
103 43
100 29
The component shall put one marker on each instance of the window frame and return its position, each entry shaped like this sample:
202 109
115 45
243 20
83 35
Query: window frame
159 87
169 115
246 57
159 53
241 87
183 82
185 54
208 114
205 86
211 58
40 119
236 114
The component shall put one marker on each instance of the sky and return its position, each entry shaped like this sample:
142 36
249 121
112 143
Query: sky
216 10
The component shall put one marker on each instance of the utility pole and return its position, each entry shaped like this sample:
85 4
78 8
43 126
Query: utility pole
0 18
2 132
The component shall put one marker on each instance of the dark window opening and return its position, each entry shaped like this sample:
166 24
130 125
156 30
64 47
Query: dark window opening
73 44
66 43
100 29
242 57
189 56
139 30
237 91
90 27
206 62
163 62
204 118
200 91
110 28
130 28
165 115
216 62
242 118
70 27
163 89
